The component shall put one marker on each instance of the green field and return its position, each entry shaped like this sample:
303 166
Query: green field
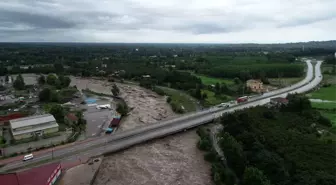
331 116
324 105
325 93
182 98
214 100
212 81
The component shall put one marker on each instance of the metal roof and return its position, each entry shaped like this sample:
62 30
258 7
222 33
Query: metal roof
32 120
35 176
42 127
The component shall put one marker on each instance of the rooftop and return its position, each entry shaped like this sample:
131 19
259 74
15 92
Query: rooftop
42 127
31 120
72 117
11 116
35 176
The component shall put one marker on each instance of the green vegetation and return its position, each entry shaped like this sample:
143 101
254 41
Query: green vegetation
18 83
324 105
206 80
325 93
213 99
115 90
179 98
269 146
122 109
282 82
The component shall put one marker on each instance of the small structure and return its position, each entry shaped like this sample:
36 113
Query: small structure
146 76
71 118
278 101
34 125
42 175
255 85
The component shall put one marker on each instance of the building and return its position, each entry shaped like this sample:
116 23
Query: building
4 120
278 101
255 85
71 118
34 125
42 175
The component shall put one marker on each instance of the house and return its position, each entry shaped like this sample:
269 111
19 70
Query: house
71 118
42 175
34 125
255 85
279 101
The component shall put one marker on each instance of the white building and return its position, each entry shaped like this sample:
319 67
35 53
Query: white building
34 125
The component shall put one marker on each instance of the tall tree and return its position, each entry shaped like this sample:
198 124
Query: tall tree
58 112
51 79
19 83
115 90
41 80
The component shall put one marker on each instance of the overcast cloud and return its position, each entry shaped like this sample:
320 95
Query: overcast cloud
193 21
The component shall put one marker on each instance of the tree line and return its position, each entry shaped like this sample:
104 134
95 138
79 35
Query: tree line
273 146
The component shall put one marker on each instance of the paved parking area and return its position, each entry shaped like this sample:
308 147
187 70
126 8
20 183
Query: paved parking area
96 119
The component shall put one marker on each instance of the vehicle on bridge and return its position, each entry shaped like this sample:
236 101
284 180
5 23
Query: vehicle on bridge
225 105
242 99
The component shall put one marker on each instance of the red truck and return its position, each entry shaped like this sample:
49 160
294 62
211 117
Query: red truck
242 99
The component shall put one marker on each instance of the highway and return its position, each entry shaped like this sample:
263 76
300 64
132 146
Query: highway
129 138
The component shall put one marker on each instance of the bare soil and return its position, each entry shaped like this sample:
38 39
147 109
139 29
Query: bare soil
174 160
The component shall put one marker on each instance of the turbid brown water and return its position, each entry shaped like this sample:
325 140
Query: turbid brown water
174 160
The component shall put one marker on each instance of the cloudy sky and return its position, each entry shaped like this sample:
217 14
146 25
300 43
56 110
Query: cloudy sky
191 21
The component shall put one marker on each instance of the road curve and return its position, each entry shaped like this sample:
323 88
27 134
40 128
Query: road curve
128 138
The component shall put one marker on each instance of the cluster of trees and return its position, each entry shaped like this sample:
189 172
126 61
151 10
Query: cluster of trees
330 59
49 92
266 146
59 82
59 112
245 72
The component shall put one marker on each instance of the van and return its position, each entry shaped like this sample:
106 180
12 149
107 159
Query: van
28 157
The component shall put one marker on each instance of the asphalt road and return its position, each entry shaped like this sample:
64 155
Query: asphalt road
126 139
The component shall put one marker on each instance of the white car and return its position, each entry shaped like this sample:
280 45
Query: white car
28 157
225 105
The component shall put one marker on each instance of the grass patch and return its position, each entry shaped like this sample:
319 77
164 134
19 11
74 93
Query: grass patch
212 99
331 116
323 105
212 81
182 98
325 93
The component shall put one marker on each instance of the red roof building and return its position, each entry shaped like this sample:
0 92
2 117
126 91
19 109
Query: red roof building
43 175
5 119
72 117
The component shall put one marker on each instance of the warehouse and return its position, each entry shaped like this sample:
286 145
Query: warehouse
33 126
43 175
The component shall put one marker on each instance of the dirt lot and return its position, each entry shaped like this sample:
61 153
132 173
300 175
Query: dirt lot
172 160
147 106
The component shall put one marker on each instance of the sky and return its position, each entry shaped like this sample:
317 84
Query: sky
167 21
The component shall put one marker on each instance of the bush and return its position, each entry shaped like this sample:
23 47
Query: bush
169 99
158 91
324 121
